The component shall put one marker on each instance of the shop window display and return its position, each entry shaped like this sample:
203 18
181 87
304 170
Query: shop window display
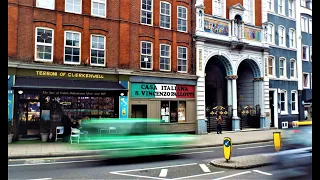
173 111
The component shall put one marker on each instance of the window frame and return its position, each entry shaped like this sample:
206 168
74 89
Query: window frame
36 43
163 44
294 69
282 7
182 59
310 53
182 18
292 37
273 73
307 52
270 3
308 79
284 67
161 14
303 3
295 102
219 3
169 102
292 8
147 11
151 67
284 36
105 9
285 111
310 26
64 47
272 33
52 8
65 7
304 24
104 50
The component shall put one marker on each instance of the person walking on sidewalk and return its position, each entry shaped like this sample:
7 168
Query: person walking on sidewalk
219 127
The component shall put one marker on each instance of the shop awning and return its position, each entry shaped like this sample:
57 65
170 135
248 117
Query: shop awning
66 84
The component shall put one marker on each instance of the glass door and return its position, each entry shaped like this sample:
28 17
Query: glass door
29 118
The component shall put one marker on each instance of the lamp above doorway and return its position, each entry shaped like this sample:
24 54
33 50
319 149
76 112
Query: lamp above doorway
20 92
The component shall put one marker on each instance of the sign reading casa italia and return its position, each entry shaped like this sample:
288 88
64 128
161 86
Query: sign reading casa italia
139 90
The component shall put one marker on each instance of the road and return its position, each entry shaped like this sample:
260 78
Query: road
190 164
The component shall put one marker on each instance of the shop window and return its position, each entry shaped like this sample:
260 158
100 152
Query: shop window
173 111
73 6
182 19
98 8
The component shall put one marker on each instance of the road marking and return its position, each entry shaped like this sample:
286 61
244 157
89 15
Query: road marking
238 174
198 175
261 172
154 168
68 162
204 168
148 177
41 179
255 147
194 152
163 173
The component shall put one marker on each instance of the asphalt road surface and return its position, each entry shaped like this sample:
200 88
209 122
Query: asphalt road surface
190 164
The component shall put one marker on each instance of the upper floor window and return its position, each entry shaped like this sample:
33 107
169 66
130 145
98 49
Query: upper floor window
165 60
310 53
146 55
165 14
303 3
306 81
248 13
304 24
271 65
218 8
97 52
98 8
270 5
270 33
146 12
293 68
73 6
182 19
281 8
72 44
282 36
291 8
283 102
310 26
305 53
44 44
309 4
282 67
292 38
47 4
182 59
294 102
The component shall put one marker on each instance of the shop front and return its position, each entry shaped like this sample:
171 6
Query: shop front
173 104
42 97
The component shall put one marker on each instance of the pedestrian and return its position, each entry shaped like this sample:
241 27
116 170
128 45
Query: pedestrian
66 122
219 127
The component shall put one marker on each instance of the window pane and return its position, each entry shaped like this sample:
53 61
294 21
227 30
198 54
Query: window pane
293 97
76 51
282 97
68 50
173 111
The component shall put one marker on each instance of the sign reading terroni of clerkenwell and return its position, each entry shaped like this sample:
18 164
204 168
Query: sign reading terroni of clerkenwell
69 74
138 90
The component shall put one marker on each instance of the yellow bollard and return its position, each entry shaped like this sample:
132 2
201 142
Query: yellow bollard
227 146
277 141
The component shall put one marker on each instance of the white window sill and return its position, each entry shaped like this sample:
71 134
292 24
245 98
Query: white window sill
294 112
184 72
42 60
148 69
71 63
99 65
284 113
182 31
98 16
169 28
73 12
146 24
306 87
165 70
305 60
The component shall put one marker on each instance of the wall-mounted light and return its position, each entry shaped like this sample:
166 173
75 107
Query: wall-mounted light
20 92
121 94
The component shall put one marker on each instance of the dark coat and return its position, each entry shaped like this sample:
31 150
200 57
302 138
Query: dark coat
66 122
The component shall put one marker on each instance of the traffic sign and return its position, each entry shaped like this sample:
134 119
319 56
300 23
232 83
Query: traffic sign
227 146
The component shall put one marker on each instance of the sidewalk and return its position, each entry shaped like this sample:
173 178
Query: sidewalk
59 149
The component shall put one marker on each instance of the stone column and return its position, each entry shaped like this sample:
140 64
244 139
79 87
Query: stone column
235 118
260 85
229 94
242 31
233 28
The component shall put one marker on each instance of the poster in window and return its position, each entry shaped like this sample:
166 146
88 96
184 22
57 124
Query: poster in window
167 111
181 114
163 111
45 115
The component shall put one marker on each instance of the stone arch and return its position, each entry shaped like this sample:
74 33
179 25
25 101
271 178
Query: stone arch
226 61
254 64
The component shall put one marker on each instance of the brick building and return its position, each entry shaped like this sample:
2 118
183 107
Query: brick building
109 48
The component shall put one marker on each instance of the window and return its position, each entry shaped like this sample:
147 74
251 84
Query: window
182 59
311 80
304 24
284 124
44 44
173 111
182 19
282 36
283 101
73 6
270 5
217 8
165 60
248 13
47 4
303 3
282 67
293 67
294 102
271 63
165 14
310 26
310 53
97 52
291 9
270 33
306 81
292 38
309 4
98 8
281 8
146 12
305 53
72 47
146 55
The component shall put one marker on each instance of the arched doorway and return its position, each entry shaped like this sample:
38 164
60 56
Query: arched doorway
216 92
248 94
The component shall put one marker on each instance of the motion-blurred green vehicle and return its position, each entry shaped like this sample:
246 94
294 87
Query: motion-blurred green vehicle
130 137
